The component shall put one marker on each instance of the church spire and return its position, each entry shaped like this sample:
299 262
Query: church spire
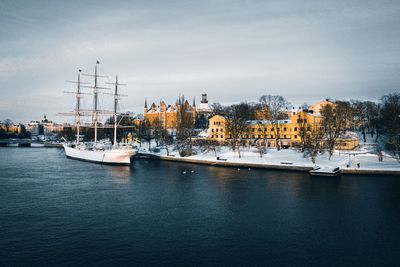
194 101
145 106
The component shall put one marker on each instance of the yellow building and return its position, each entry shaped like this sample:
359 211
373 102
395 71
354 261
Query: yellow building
166 115
216 128
316 108
348 141
3 127
288 131
15 129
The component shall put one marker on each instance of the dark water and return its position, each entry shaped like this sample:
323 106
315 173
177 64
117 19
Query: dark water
58 211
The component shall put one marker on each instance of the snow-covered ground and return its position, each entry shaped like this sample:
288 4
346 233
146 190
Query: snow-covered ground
366 157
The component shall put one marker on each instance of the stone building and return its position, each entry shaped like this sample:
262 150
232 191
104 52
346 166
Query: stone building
166 115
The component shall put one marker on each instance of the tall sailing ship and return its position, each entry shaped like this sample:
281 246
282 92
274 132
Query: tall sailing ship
98 151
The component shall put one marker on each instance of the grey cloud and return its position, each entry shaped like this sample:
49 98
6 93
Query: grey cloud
234 50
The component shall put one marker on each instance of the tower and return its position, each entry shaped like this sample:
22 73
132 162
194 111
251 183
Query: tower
145 106
204 98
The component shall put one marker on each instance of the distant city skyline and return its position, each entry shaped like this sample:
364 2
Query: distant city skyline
232 50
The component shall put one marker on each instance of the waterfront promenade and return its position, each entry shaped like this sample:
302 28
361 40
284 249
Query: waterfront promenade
286 159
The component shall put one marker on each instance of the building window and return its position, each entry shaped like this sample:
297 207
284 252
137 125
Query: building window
222 136
295 129
216 136
295 137
284 136
253 136
259 136
212 136
222 129
217 130
272 136
284 129
212 130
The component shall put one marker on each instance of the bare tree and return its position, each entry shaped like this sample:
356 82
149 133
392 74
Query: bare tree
334 123
157 131
218 109
261 148
236 123
345 114
372 115
208 145
390 122
365 116
144 132
166 140
184 127
313 141
359 116
276 106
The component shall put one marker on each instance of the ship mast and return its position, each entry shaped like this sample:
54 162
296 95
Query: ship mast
78 112
96 90
117 96
78 105
95 98
115 109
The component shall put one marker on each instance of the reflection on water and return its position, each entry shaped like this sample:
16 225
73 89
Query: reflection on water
119 174
223 176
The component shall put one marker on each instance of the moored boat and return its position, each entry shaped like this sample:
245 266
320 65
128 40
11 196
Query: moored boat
98 151
33 144
325 171
118 155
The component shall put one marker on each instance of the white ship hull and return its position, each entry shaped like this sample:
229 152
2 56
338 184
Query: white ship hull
115 156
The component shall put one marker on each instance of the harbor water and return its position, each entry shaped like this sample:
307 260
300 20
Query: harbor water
64 212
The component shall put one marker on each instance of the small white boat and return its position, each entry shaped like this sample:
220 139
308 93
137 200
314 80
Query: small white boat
12 145
325 171
37 144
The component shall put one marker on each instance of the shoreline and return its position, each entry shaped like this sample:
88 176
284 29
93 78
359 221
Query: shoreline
296 168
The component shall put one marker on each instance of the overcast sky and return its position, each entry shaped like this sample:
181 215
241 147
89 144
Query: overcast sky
232 50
